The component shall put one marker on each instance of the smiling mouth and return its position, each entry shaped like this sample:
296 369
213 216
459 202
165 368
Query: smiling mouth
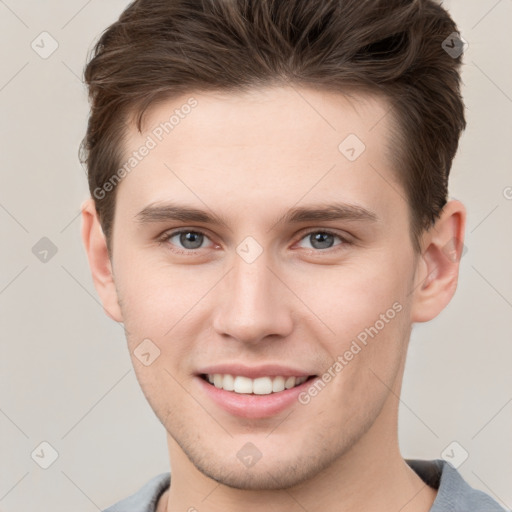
259 386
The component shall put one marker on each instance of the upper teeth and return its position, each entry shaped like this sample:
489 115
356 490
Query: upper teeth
259 386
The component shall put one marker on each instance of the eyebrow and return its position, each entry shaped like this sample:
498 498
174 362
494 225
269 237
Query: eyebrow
161 212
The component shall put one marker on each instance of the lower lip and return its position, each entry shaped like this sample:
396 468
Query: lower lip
253 406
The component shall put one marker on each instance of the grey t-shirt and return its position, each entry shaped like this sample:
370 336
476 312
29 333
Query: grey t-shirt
454 493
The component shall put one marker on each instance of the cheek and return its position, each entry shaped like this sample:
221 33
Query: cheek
366 308
351 297
155 296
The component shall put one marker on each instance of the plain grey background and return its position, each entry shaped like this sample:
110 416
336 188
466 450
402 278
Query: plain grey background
65 374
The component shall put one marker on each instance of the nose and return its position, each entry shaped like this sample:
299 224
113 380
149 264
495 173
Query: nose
253 303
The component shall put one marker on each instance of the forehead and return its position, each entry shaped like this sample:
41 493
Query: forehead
260 114
268 147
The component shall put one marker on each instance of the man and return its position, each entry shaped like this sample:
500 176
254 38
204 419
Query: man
268 219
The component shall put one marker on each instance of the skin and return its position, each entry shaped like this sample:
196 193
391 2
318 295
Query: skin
250 157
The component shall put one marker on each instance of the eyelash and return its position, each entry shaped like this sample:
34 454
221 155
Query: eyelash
165 237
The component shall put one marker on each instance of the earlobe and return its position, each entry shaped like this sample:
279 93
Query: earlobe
99 261
437 270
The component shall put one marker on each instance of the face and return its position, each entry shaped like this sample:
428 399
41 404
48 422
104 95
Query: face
300 265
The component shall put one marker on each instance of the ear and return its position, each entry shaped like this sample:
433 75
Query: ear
99 261
437 269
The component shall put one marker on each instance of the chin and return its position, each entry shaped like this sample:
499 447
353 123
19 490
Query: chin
279 477
267 474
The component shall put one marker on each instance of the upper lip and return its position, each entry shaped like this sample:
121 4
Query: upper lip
253 372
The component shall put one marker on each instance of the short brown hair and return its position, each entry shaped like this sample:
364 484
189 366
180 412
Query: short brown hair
396 48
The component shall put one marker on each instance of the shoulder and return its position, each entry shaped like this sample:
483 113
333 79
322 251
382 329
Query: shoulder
454 493
146 498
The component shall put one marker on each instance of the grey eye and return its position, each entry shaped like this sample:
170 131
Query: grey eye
189 239
321 239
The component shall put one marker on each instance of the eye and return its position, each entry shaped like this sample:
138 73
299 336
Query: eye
322 239
185 240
